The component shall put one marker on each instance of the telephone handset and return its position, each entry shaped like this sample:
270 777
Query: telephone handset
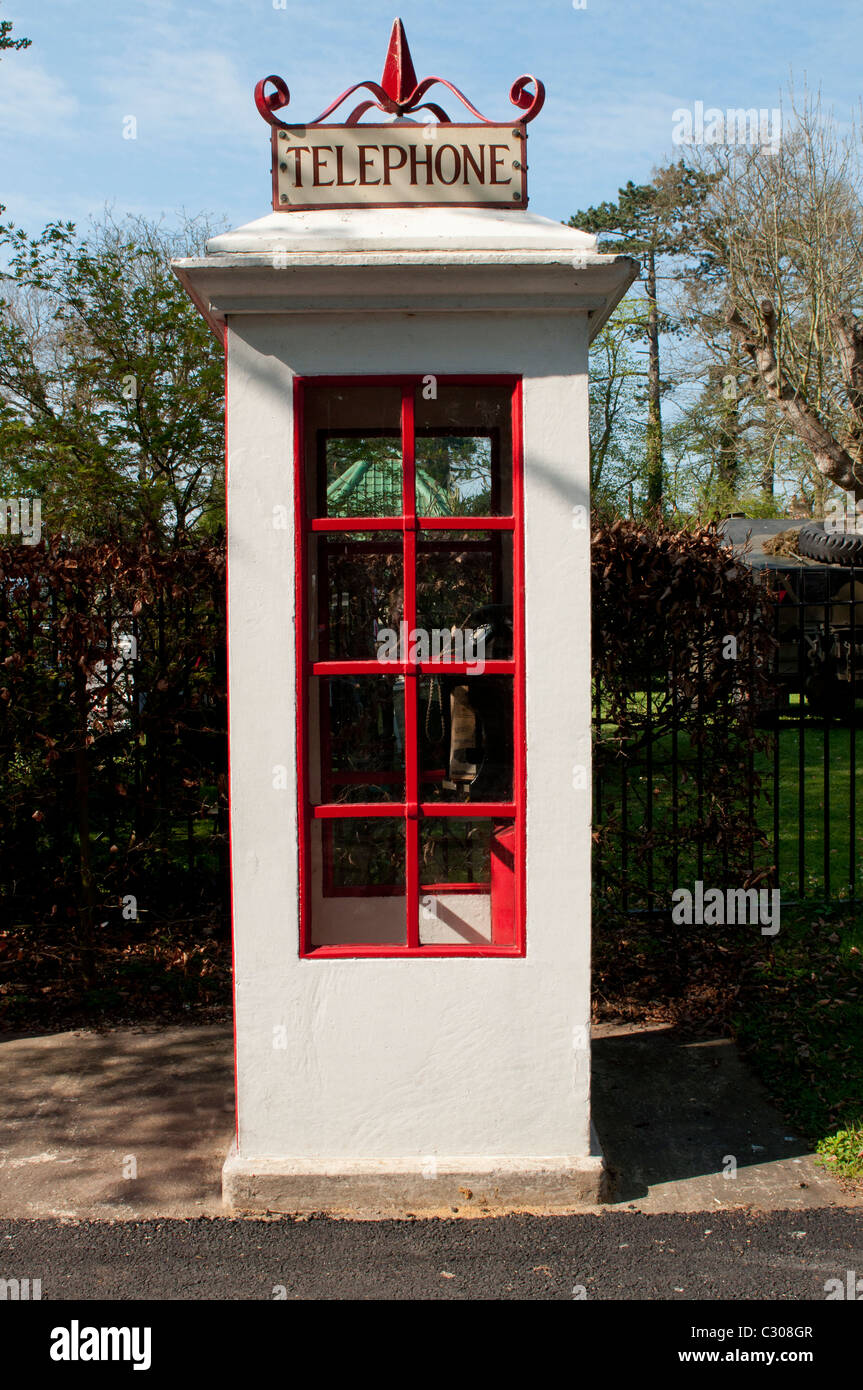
480 713
481 756
469 719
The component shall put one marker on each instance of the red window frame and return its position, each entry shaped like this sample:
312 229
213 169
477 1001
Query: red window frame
412 810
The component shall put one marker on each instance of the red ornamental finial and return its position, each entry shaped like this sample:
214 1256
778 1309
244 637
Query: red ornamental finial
398 91
399 80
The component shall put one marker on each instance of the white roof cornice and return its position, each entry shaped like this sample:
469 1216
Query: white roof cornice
401 229
397 260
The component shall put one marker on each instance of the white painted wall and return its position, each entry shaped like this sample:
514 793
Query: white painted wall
415 1057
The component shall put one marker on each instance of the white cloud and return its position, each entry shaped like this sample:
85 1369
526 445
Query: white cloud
31 98
173 94
643 122
33 212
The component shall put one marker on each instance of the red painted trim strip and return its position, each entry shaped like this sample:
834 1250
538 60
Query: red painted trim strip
409 504
412 853
301 641
371 667
358 810
346 207
412 809
383 779
412 777
455 888
234 971
358 380
467 668
368 667
417 953
376 546
519 708
355 523
428 810
467 523
274 156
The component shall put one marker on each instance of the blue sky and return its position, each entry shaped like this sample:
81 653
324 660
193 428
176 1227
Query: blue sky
614 72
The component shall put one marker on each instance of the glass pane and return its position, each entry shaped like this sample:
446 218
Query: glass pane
353 450
454 907
360 592
366 854
357 723
465 738
453 474
363 475
454 849
464 595
357 887
464 451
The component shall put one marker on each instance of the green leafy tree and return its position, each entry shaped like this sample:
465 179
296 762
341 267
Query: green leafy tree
652 222
6 39
782 270
617 419
111 385
13 45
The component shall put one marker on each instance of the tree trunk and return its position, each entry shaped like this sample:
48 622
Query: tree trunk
832 460
729 434
768 478
654 408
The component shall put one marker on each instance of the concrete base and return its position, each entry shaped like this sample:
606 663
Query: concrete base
373 1188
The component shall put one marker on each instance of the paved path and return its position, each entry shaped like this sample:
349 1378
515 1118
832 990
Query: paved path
129 1123
675 1117
135 1123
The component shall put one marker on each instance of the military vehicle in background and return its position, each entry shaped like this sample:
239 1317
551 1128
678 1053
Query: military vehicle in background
816 576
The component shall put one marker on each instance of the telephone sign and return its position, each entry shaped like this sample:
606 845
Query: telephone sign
399 166
419 159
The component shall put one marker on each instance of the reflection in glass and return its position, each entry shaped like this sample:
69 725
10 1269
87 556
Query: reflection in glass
361 594
362 474
352 450
454 849
464 442
464 581
365 853
362 737
460 470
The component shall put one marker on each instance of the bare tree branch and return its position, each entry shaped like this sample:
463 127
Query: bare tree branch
830 456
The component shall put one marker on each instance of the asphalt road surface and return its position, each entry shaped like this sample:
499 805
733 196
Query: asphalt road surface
726 1255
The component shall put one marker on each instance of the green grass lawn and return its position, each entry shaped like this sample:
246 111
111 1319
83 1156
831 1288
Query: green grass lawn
825 781
832 768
